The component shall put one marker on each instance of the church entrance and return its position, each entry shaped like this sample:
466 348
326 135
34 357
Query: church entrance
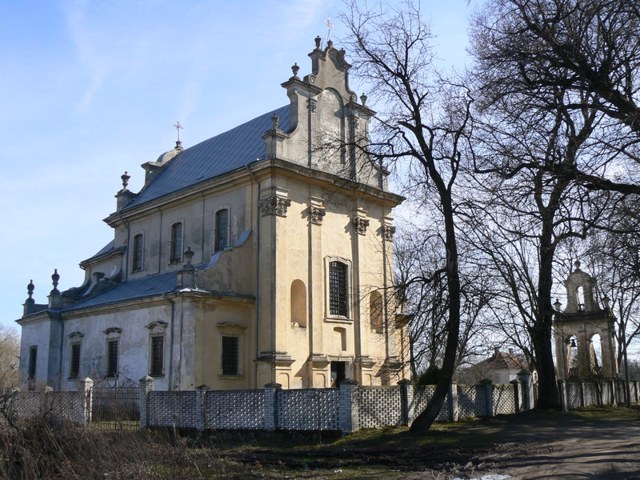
338 370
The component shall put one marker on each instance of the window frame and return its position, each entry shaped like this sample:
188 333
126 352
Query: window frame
218 243
224 354
137 260
346 314
176 249
32 365
111 359
74 360
156 357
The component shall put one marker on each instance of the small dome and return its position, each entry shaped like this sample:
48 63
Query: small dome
167 156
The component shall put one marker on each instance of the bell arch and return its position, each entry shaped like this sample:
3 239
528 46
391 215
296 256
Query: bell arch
583 331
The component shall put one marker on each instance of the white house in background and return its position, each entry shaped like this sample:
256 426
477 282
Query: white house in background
263 254
501 368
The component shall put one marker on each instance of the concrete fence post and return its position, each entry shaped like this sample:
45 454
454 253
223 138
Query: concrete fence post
454 411
201 407
525 386
404 401
348 415
562 391
271 405
517 395
582 395
487 388
85 401
146 387
46 407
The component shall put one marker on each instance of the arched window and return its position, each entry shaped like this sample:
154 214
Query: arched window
138 251
298 303
338 289
176 243
375 311
222 230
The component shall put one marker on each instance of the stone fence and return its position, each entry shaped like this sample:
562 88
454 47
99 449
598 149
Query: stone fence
346 409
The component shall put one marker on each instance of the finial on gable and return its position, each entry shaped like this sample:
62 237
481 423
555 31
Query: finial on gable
318 40
577 265
30 303
295 69
125 181
54 280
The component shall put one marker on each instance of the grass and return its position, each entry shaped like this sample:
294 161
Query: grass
42 449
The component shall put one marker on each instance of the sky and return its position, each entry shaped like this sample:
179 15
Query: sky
91 89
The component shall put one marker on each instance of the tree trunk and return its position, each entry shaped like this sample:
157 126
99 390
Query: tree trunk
426 418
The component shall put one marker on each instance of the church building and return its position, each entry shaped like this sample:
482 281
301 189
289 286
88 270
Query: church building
263 254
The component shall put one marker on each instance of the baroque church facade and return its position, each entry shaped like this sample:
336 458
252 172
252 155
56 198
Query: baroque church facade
263 254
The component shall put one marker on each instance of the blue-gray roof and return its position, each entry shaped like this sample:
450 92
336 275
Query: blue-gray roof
130 290
216 156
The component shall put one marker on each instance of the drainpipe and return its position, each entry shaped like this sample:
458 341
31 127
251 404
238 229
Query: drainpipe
257 279
171 383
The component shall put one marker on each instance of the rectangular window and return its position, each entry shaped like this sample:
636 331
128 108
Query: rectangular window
176 242
157 356
138 251
230 355
112 358
74 369
222 230
338 289
33 358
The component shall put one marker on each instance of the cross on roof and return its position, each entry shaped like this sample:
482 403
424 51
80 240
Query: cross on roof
178 127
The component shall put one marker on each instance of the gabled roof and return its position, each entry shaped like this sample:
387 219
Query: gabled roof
503 361
150 286
216 156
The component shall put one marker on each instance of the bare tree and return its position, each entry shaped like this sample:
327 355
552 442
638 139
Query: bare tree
9 358
614 254
528 49
550 146
423 126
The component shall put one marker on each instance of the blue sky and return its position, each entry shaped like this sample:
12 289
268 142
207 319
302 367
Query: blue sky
90 89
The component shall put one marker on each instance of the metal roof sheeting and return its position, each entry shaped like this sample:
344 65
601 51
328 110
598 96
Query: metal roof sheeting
216 156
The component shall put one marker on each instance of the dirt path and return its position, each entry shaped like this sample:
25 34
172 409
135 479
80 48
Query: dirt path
571 449
528 446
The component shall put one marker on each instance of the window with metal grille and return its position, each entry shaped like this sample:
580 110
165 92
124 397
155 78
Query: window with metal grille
176 242
222 230
33 358
338 289
112 358
138 246
74 370
230 355
157 356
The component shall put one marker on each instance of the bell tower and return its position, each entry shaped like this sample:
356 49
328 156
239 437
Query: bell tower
584 332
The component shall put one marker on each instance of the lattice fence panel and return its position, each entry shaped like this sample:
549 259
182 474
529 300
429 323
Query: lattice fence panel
421 397
504 401
590 392
573 395
311 409
166 409
471 401
27 404
379 406
239 409
65 406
